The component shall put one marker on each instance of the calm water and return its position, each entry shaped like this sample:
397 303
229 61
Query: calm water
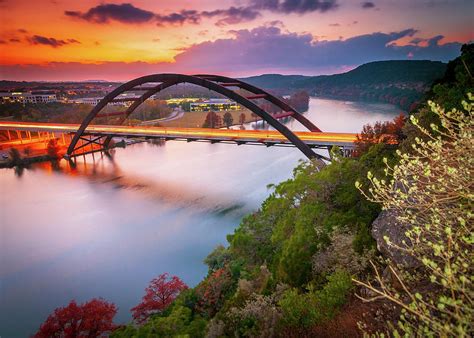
108 228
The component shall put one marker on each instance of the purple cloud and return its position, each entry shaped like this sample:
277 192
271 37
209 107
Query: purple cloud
367 4
129 14
104 13
265 48
233 15
295 6
52 42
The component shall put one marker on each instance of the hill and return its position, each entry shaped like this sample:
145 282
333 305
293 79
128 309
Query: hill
402 83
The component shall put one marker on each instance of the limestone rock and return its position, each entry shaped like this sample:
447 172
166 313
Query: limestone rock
387 225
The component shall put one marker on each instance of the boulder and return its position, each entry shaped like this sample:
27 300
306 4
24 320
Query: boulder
387 225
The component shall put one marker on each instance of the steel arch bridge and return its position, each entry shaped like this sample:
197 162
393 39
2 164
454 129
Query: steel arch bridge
216 83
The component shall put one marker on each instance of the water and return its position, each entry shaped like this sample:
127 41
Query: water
108 228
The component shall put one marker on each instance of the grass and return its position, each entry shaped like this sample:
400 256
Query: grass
196 119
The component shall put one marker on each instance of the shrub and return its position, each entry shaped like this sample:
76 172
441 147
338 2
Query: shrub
91 319
303 310
257 318
431 191
341 255
161 292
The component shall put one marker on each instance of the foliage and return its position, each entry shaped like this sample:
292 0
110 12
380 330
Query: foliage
179 322
299 216
52 149
299 101
228 119
160 293
242 118
15 156
150 110
431 190
212 120
389 132
90 319
257 318
450 90
303 310
217 258
214 290
342 255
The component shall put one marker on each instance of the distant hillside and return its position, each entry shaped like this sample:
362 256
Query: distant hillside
398 82
277 81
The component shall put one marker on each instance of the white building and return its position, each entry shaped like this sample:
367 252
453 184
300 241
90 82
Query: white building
27 97
215 105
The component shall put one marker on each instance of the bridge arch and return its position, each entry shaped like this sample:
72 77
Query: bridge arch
215 83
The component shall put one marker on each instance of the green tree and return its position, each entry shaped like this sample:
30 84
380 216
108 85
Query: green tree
228 119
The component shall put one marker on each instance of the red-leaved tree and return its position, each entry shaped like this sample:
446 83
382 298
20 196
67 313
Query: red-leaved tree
91 319
213 290
389 132
161 292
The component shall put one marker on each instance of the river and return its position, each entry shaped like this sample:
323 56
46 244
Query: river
110 226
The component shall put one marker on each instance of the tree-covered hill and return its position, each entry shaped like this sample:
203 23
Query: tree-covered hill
402 83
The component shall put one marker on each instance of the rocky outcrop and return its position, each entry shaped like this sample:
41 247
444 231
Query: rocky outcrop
387 225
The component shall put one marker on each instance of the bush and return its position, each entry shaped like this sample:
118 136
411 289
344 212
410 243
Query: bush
431 192
341 255
257 318
308 309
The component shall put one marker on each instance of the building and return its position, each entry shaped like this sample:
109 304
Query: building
28 97
215 105
87 100
180 100
121 100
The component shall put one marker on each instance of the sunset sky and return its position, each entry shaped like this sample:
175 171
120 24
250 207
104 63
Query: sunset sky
119 40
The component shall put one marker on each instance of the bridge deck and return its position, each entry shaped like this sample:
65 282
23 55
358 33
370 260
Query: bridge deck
313 139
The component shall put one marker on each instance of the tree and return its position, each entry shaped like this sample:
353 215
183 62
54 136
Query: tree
228 119
431 193
212 120
299 101
160 293
91 319
389 132
242 118
53 149
214 290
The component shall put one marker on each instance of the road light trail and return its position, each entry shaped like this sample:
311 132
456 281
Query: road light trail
250 136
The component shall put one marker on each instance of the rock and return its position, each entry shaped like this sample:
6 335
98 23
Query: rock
387 225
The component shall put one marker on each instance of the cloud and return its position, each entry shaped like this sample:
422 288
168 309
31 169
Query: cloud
104 13
184 16
367 4
233 15
52 42
260 50
129 14
295 6
14 40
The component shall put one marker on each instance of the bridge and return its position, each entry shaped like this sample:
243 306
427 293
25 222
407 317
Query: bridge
97 137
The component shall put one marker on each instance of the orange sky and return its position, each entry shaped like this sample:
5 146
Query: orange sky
87 42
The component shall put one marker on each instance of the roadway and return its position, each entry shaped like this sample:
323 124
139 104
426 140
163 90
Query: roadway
268 137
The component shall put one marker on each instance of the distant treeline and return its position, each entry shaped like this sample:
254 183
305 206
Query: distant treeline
402 83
